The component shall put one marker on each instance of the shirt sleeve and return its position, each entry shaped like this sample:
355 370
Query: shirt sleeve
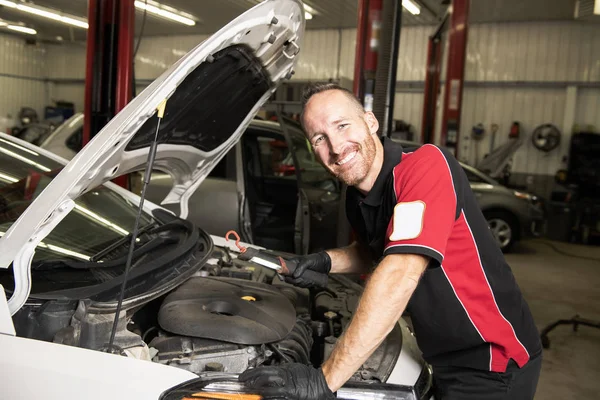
425 209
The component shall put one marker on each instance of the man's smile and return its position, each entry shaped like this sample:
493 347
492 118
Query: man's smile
347 158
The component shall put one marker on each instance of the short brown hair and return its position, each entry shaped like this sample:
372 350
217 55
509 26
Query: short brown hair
315 88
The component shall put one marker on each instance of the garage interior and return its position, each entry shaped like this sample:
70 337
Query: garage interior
511 87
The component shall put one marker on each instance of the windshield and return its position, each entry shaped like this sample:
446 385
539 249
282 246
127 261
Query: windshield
100 217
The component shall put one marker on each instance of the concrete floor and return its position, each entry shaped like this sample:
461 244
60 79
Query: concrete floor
558 286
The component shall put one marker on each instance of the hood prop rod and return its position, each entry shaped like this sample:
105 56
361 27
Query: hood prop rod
160 111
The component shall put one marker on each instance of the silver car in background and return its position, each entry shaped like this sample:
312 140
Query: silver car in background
511 214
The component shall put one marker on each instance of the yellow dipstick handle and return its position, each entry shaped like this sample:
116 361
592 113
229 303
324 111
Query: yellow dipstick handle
161 108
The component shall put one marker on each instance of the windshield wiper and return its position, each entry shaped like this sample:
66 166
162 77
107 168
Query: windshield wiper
118 243
137 253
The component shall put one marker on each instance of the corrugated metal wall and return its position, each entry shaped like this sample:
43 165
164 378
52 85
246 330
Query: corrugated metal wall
514 72
22 83
517 72
588 109
529 66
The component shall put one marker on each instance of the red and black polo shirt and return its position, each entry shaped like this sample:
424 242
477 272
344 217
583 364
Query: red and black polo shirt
467 309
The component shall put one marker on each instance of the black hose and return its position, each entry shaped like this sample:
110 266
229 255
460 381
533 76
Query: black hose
281 355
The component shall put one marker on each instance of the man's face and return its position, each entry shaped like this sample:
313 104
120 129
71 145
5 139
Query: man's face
342 136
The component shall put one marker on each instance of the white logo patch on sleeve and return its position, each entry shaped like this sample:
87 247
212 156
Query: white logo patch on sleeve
408 220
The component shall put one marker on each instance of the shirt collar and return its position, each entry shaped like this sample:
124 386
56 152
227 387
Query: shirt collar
392 155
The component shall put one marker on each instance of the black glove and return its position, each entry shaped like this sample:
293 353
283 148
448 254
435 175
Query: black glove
290 381
317 262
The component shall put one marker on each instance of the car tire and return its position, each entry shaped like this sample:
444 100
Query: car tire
504 228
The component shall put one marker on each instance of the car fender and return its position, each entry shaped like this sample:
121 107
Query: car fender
33 368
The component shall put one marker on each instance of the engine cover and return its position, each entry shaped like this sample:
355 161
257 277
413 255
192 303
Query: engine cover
228 309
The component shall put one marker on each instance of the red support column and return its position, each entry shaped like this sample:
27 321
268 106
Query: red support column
457 49
125 54
371 52
123 92
432 87
109 64
361 32
89 68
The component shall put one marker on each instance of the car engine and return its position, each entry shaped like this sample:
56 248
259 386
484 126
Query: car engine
230 316
237 315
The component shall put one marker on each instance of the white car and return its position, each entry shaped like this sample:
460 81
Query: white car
193 316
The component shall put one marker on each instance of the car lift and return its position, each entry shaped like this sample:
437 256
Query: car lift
109 65
457 48
367 48
432 82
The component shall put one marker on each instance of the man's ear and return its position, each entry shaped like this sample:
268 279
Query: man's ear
372 122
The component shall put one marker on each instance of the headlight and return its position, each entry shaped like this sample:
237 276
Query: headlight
224 386
522 195
531 198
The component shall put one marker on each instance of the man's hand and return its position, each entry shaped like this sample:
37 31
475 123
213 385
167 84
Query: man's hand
316 262
290 381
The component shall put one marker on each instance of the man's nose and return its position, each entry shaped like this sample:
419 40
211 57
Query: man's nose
336 143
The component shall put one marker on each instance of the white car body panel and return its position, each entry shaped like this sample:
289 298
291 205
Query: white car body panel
56 142
6 325
36 369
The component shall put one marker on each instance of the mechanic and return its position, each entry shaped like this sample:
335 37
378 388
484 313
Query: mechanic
416 217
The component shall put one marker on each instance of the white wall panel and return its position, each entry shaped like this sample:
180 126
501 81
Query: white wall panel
319 55
409 108
156 54
536 51
66 61
17 93
347 55
22 69
530 107
412 54
588 109
72 92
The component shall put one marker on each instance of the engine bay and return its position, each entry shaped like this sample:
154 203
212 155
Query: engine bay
230 316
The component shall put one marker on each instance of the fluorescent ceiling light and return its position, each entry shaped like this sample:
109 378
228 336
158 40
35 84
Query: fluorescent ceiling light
310 9
46 13
23 29
411 7
102 220
20 157
8 178
18 146
166 12
58 249
309 12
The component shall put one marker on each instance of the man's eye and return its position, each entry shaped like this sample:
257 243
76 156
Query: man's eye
317 140
342 126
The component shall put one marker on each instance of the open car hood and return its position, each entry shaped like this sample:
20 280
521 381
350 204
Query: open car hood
211 95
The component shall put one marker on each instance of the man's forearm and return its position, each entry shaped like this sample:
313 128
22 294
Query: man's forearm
351 259
385 297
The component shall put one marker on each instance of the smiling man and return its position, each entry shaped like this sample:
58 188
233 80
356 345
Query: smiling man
417 219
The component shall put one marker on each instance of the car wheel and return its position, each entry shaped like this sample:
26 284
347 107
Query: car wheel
503 227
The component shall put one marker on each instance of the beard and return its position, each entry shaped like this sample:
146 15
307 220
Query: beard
357 169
